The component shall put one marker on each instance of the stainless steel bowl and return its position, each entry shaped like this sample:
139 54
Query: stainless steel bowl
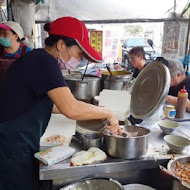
94 184
127 147
92 140
172 163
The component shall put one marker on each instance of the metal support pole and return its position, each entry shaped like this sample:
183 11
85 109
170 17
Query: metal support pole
9 10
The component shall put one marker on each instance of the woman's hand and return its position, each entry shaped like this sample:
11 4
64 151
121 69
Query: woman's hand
114 125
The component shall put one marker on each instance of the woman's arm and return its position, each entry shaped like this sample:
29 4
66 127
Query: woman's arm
56 110
67 104
173 100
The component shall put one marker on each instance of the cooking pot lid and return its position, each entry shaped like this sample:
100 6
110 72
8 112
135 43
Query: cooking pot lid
89 126
150 90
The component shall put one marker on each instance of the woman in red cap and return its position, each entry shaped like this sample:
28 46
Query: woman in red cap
11 47
32 89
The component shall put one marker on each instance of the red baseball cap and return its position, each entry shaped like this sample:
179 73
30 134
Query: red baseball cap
76 29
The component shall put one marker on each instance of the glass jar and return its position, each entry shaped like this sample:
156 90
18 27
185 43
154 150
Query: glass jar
170 111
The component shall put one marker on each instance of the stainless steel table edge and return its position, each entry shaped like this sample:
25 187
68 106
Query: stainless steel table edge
59 171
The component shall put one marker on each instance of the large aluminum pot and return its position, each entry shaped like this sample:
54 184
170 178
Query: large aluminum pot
121 80
84 89
127 147
70 72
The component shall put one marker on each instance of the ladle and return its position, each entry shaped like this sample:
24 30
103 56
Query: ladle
109 70
85 71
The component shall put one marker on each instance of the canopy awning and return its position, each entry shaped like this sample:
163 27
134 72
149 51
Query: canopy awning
89 10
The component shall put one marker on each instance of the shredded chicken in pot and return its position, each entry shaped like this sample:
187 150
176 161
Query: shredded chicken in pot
183 172
126 134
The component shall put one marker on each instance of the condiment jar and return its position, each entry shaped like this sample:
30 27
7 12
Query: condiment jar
181 103
170 111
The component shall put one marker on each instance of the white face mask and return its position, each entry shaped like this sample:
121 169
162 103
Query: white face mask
71 64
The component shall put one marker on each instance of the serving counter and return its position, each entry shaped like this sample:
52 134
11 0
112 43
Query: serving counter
144 170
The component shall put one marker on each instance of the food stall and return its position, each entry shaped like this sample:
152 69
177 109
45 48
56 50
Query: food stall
142 169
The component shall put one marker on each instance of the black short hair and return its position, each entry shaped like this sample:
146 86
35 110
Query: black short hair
162 60
18 40
138 51
53 39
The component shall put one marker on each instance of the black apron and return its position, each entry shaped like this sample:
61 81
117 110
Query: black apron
19 140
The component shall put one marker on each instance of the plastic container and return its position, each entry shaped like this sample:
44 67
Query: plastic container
170 111
181 103
55 154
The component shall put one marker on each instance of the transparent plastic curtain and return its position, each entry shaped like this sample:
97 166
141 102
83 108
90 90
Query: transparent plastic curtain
108 9
24 14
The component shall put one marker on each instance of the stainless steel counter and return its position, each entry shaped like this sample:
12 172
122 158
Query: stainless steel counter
158 153
63 170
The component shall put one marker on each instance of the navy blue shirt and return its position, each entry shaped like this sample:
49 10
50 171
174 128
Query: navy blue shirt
27 82
175 89
137 71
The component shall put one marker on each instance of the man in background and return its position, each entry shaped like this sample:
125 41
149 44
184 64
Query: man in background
178 80
137 60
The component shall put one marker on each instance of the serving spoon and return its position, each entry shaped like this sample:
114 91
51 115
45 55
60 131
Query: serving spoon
109 70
